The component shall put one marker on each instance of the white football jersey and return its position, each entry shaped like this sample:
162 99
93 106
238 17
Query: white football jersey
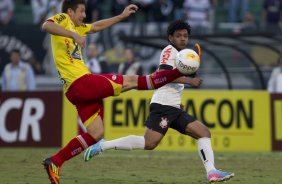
169 94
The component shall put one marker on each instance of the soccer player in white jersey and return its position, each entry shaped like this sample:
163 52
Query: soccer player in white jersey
166 112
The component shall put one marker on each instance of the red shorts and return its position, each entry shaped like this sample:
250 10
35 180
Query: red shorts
87 93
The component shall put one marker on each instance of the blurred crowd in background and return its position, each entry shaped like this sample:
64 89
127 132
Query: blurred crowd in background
205 17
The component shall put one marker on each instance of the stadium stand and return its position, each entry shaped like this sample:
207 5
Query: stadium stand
22 13
230 61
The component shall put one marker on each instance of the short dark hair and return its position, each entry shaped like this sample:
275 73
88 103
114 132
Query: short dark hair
71 4
15 51
178 25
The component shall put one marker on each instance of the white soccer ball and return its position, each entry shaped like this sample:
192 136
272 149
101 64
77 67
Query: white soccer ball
187 61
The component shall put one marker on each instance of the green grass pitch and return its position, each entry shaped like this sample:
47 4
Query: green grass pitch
23 166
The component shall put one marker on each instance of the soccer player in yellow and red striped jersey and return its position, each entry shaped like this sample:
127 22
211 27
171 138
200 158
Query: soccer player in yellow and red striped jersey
85 90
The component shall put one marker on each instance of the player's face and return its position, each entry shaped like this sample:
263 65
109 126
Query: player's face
92 51
78 15
15 58
179 38
128 55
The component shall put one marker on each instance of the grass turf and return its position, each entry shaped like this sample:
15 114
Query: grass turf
23 166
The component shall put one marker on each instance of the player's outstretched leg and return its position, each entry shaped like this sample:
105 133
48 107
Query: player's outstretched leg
52 170
93 150
219 176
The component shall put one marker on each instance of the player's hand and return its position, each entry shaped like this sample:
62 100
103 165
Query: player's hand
130 9
195 82
80 40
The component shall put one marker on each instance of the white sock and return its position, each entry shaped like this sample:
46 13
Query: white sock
206 153
125 143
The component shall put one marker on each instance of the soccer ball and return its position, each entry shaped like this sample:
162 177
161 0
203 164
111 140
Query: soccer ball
187 61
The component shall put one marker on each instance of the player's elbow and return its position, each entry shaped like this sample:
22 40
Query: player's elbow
46 26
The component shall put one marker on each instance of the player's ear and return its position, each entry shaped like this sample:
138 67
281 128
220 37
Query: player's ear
69 11
169 38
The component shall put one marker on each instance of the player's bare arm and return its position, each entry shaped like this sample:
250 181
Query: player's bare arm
55 29
194 82
105 23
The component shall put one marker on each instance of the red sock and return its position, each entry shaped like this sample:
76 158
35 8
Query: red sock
157 79
73 148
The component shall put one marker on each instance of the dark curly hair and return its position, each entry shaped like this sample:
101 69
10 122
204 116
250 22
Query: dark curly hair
71 4
177 25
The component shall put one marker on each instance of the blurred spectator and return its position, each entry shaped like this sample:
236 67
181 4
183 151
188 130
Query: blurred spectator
130 66
249 23
39 10
6 11
17 75
197 14
233 9
96 63
118 6
212 13
27 2
275 81
178 11
36 66
163 10
145 8
48 67
48 61
55 7
114 55
272 15
93 11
